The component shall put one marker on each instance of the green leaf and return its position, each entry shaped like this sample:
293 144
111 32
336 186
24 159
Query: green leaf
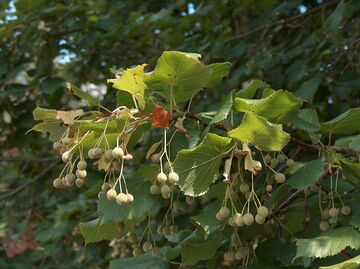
83 95
221 114
55 129
198 167
112 125
250 89
206 220
148 172
95 231
46 115
307 119
195 248
278 107
348 264
179 72
307 175
124 99
224 110
45 127
143 203
261 133
308 89
146 261
352 142
346 123
132 81
329 243
218 71
351 172
50 85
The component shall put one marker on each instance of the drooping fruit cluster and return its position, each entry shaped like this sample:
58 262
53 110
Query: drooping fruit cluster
68 176
167 178
109 159
331 214
239 252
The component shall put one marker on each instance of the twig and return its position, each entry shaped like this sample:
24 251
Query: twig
25 185
347 151
28 159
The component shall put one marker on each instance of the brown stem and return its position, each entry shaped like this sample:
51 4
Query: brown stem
296 195
304 145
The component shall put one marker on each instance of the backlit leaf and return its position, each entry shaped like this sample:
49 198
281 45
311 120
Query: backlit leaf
132 81
178 71
346 123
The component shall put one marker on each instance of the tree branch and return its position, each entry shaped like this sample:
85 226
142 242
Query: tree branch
304 145
25 185
296 195
282 21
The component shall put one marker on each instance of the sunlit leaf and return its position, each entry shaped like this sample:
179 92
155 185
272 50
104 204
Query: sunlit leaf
329 243
249 90
132 81
348 264
261 133
346 123
277 108
198 167
178 71
218 72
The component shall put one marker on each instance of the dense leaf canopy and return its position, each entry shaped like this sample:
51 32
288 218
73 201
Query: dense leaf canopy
246 84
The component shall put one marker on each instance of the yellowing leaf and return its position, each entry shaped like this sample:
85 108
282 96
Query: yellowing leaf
132 81
68 117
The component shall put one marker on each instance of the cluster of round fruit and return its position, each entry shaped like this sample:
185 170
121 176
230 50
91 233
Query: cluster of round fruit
109 154
331 215
167 229
164 184
280 158
146 247
120 198
62 145
70 178
239 254
239 219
